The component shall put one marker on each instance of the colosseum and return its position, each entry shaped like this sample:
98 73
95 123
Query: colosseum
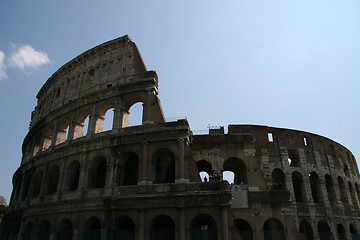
158 180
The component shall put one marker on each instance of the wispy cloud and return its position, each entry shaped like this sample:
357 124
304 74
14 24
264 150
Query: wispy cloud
26 56
23 57
3 74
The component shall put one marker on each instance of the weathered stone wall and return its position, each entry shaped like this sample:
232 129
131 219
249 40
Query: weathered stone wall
78 180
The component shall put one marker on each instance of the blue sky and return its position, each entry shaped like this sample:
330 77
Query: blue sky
291 64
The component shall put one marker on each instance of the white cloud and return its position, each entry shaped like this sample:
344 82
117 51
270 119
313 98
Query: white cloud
26 56
2 66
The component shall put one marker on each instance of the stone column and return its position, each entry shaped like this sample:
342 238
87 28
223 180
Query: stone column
144 159
141 225
181 224
224 218
92 122
181 162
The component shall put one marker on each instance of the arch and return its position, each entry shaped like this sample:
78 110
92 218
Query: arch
293 159
340 230
354 232
135 114
244 229
44 231
228 176
278 180
52 180
164 160
97 172
162 227
65 230
357 191
324 230
306 231
273 230
37 145
238 167
131 169
204 176
342 190
72 176
48 137
298 185
346 170
92 229
352 194
330 189
26 189
105 118
37 184
82 124
315 187
125 229
62 131
203 227
28 231
14 232
204 169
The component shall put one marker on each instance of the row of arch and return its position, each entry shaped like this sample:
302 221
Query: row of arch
278 182
234 166
46 181
70 128
202 227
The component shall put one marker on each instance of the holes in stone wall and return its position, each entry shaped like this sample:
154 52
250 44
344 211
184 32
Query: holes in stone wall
136 114
238 167
270 137
37 184
330 189
293 159
298 185
277 180
203 227
205 170
273 229
62 131
82 125
65 231
105 119
162 227
48 137
52 180
315 187
72 176
324 230
244 229
164 166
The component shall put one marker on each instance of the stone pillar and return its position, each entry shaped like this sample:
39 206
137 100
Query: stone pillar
141 225
147 107
76 234
144 159
181 165
92 122
54 135
117 123
224 218
181 224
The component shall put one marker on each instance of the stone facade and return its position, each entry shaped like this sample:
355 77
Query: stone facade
78 180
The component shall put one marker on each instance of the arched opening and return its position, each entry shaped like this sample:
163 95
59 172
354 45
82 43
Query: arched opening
342 190
315 188
354 233
44 231
65 231
352 194
329 183
229 176
238 167
346 170
298 185
162 227
26 187
273 230
131 169
125 229
135 114
52 180
97 172
17 188
48 137
37 184
92 230
244 229
164 166
62 131
105 119
72 176
293 159
37 144
305 231
205 170
357 191
203 227
277 180
324 231
82 125
28 231
341 232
